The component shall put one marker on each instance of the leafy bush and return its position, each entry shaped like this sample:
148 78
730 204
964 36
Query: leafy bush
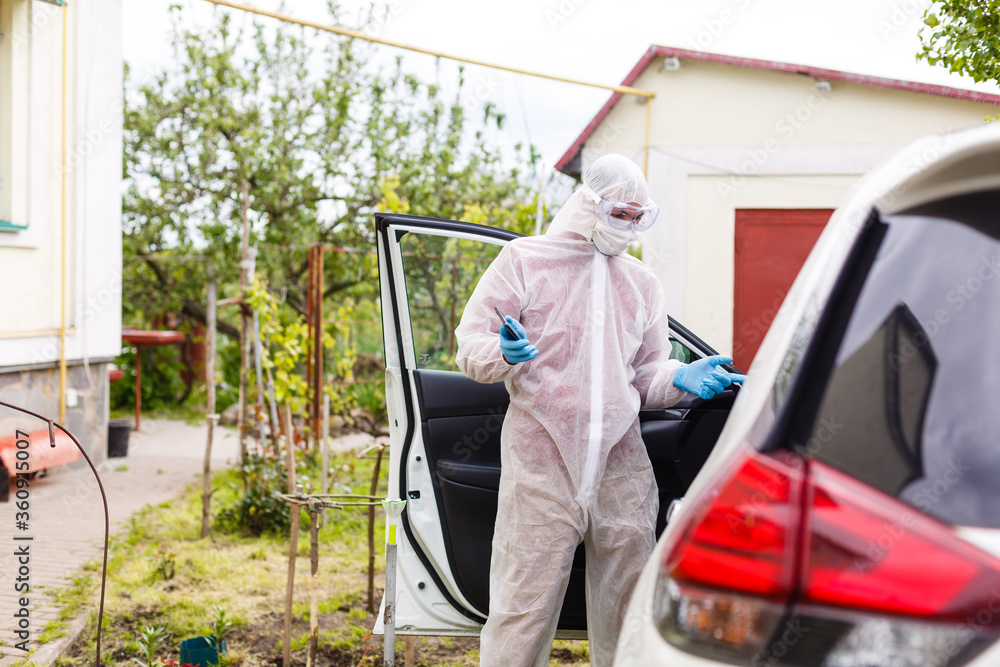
260 509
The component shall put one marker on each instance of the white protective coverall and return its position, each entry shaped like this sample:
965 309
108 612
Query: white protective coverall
573 462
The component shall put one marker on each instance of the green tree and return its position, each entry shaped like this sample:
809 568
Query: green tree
314 130
322 137
964 37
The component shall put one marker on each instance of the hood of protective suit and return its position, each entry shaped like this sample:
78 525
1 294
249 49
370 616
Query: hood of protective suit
613 177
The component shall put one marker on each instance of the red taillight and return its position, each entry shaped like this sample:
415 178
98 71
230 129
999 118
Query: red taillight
788 562
727 580
744 538
865 550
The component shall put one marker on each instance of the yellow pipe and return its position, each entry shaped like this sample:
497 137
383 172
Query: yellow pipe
347 32
649 116
62 284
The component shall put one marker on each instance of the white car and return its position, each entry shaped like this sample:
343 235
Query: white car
843 510
849 513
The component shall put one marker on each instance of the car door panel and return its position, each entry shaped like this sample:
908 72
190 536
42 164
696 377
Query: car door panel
462 422
461 425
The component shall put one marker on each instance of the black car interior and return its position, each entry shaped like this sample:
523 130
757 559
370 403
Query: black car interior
461 432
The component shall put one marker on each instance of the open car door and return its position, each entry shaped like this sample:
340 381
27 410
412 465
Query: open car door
445 429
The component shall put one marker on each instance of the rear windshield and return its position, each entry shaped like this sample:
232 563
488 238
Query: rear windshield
913 404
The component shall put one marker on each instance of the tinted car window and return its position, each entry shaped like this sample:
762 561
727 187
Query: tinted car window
911 407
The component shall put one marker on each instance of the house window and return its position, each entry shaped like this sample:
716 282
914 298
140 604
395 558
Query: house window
15 37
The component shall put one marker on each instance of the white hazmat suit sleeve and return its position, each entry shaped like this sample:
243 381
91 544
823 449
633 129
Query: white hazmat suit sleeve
654 370
479 355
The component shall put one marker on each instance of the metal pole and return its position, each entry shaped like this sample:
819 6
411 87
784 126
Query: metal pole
138 384
310 323
318 333
258 367
393 508
275 425
389 647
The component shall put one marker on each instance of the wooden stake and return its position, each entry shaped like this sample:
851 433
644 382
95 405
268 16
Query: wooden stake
409 651
324 474
211 417
372 609
245 277
294 534
313 588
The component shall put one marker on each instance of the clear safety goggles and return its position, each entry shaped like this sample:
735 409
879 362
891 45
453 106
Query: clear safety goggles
625 215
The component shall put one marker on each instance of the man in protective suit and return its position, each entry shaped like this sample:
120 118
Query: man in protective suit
587 346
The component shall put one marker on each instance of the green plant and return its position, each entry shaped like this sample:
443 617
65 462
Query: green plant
150 641
165 568
260 509
221 626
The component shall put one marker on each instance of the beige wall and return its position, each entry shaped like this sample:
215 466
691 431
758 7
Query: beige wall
33 199
706 104
726 137
32 258
710 220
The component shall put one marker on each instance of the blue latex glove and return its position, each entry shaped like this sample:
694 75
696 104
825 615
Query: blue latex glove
516 350
703 377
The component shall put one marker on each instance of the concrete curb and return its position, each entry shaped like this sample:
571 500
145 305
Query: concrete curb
49 653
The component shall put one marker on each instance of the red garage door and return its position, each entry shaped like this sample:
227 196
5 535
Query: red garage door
771 246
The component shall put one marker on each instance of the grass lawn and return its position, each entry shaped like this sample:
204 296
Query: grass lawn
161 574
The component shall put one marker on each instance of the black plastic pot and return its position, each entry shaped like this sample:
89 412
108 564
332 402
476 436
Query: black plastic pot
118 432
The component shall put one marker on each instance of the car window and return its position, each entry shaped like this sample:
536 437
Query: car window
910 407
681 352
441 273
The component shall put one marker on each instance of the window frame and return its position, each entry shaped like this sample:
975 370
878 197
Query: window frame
16 26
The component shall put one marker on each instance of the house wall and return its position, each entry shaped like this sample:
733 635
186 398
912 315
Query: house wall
31 258
726 137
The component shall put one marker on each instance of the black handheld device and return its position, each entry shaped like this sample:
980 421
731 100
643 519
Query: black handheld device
510 330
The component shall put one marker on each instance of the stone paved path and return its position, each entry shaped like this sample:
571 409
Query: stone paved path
67 516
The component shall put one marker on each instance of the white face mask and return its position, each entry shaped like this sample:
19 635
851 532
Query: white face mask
612 241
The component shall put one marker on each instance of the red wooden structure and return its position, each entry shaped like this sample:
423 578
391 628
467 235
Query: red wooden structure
146 338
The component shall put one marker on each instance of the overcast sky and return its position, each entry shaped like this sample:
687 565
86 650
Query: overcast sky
595 40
